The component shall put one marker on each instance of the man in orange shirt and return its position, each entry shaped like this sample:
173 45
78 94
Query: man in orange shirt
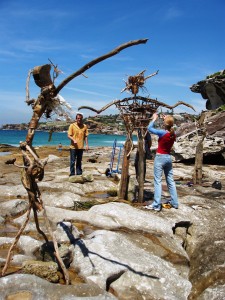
78 134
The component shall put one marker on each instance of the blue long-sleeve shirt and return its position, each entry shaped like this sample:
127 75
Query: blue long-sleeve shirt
165 141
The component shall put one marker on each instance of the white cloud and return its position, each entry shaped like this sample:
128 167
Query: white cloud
173 13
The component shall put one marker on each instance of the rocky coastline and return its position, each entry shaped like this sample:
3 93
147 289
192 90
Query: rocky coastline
114 249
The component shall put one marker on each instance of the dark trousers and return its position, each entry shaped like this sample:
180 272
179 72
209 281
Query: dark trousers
136 164
76 158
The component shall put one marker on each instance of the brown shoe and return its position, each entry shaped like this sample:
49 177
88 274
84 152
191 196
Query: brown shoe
167 205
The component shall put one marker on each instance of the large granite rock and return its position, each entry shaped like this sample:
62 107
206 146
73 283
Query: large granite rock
212 89
25 286
188 136
120 250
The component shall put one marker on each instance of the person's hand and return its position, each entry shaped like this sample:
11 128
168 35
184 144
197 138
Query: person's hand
155 116
74 141
87 148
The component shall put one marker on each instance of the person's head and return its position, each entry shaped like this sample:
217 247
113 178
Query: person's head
79 118
168 121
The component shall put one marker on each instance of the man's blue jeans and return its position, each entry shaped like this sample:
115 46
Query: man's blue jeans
76 158
162 163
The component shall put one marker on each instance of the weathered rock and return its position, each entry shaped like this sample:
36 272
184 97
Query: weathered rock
13 191
88 177
13 208
20 286
46 253
52 158
76 179
107 257
132 188
188 138
46 270
212 89
65 231
62 199
26 244
120 239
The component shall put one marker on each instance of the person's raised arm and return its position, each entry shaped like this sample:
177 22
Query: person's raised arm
152 129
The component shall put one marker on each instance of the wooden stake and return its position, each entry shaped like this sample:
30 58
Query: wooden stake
125 170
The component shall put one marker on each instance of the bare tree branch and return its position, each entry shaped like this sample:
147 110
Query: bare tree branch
27 86
97 60
148 100
181 103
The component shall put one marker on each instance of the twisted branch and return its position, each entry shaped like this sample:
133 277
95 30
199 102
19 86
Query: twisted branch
97 60
147 100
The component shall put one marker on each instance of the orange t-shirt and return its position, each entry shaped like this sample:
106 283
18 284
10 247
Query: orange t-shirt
79 134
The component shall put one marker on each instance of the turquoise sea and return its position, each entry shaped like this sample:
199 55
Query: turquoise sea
13 137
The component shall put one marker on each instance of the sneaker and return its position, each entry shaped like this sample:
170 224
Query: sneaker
152 207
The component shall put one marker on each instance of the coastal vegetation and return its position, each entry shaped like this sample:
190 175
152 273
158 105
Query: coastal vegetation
96 124
100 121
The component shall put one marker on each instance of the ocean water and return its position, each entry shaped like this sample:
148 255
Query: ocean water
41 138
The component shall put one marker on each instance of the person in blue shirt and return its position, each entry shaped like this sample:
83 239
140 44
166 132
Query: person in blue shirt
163 162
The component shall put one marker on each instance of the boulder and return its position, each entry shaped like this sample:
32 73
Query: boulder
212 89
46 270
188 136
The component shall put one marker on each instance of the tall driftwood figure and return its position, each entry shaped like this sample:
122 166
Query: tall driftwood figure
136 113
33 167
201 132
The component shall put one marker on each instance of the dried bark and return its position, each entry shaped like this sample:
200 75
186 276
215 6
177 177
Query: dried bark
197 173
140 167
125 170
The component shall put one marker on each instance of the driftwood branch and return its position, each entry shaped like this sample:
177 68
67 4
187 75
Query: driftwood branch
27 87
181 103
151 75
97 60
16 240
147 100
198 173
56 253
37 225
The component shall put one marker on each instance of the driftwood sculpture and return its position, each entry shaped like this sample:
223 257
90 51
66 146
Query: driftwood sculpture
136 112
47 103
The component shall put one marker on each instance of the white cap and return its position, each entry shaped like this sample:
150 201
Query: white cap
79 113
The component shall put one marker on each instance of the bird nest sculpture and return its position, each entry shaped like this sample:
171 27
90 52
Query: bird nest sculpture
137 81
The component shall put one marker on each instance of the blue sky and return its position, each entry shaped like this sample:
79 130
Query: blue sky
186 43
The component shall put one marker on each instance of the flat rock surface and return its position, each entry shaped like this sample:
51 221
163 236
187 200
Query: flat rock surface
120 250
